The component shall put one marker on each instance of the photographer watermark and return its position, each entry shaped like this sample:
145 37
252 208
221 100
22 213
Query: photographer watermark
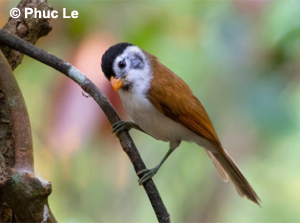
46 14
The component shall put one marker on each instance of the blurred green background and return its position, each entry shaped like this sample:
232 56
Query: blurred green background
240 58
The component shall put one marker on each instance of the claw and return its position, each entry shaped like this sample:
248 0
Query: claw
147 175
120 126
142 172
117 123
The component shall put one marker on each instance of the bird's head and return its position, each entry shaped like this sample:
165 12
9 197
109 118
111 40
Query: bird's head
125 65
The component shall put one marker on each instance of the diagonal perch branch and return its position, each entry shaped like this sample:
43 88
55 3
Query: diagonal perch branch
89 87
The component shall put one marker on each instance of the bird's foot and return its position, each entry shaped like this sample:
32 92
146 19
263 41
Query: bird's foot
121 125
147 174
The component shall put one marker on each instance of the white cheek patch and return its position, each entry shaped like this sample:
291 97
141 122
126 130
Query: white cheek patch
140 80
116 69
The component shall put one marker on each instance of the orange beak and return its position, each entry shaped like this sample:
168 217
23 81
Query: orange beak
116 83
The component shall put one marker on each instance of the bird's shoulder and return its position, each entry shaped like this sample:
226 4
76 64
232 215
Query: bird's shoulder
168 89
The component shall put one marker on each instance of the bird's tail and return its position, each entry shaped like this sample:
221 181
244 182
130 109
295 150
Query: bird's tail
227 167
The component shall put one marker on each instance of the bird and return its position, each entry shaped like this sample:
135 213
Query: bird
163 106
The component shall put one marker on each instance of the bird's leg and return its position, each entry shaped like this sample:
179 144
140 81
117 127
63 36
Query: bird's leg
149 173
121 125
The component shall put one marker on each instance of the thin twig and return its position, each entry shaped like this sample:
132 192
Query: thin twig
90 88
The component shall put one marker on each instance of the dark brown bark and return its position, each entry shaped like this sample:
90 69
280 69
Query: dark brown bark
16 140
20 190
27 196
29 29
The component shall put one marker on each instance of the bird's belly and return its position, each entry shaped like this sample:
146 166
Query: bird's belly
154 123
159 126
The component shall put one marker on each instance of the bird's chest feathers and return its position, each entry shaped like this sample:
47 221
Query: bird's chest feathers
145 115
138 107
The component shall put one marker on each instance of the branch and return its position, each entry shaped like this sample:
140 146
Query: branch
29 29
89 87
27 195
15 123
20 189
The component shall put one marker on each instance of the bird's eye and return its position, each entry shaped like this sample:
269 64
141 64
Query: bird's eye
122 64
